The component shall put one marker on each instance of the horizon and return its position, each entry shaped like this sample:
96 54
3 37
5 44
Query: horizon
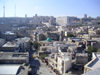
56 8
49 16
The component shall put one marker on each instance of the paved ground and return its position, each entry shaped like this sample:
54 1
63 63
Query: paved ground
38 67
45 70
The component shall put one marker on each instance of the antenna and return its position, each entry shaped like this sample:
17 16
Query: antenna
3 11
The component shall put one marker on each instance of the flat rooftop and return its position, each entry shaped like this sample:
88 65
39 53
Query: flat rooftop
13 56
82 54
10 44
25 39
93 72
9 69
13 69
9 33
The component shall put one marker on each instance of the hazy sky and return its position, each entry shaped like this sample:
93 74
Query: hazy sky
50 7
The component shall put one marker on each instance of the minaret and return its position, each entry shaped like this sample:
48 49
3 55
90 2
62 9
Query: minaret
3 11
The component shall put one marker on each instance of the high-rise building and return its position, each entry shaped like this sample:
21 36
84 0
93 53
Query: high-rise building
85 15
52 20
67 20
62 20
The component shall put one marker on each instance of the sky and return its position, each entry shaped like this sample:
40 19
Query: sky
50 8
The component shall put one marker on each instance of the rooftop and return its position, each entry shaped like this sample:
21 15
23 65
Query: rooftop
93 72
12 69
25 39
10 44
9 33
13 56
9 69
82 54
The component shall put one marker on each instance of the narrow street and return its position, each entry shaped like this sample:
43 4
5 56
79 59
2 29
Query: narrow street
45 70
38 67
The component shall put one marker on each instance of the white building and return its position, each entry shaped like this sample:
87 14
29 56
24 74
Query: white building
61 62
23 42
61 20
64 62
67 20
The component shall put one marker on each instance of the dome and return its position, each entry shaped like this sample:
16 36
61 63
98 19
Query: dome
49 39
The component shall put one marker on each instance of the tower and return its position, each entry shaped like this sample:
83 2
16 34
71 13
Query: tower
3 11
25 15
15 11
85 15
26 18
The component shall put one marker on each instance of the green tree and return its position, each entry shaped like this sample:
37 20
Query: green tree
90 50
42 56
70 35
98 50
42 37
36 45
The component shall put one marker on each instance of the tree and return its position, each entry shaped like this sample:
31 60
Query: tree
98 50
90 50
70 35
36 45
42 37
42 56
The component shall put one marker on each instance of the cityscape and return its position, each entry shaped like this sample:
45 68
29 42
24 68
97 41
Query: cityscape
46 43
